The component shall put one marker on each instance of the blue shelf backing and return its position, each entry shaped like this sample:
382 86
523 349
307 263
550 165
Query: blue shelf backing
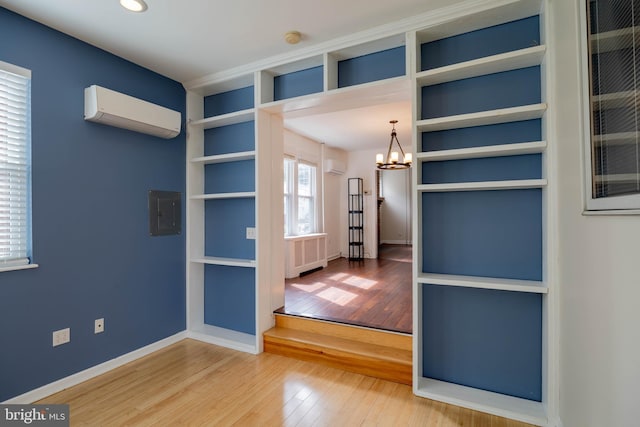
299 83
615 120
229 298
527 166
228 102
230 139
490 92
230 177
483 233
482 338
610 71
376 66
606 18
226 221
494 40
480 136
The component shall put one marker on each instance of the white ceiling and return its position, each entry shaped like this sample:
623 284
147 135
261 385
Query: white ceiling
357 129
188 39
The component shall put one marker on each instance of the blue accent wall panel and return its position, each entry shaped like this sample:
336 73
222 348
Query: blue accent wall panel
493 91
230 177
228 102
502 38
229 298
90 216
483 169
373 67
480 136
226 221
483 233
487 339
230 139
615 120
299 83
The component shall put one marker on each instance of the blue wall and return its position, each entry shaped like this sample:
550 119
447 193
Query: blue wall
90 219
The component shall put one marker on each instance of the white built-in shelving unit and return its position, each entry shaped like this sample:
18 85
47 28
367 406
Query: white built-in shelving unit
505 405
267 114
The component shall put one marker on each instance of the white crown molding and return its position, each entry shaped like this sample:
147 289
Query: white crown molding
422 21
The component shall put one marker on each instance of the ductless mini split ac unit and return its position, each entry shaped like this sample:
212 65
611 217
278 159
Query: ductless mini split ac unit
334 167
112 108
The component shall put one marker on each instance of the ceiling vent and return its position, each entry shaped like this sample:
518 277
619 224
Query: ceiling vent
117 109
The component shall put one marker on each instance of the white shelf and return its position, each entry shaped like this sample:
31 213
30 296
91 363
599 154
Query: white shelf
478 67
486 151
524 410
617 178
614 40
502 115
224 337
615 100
212 196
225 119
231 262
396 89
483 185
622 138
224 158
483 283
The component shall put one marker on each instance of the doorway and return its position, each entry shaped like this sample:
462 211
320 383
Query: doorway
375 292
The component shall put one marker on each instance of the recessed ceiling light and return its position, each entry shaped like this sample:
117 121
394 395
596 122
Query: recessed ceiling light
134 5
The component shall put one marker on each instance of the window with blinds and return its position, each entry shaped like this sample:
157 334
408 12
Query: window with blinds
15 142
613 41
299 198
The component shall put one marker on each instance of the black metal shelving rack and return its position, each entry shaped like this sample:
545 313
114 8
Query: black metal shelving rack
356 218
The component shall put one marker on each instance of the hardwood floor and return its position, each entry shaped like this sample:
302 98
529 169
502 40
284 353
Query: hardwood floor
374 293
196 384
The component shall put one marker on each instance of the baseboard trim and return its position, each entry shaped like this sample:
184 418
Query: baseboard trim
94 371
334 256
395 242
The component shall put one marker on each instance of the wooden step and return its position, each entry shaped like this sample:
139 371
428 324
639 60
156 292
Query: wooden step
375 353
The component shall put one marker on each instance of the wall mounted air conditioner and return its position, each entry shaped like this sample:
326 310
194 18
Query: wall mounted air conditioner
335 167
117 109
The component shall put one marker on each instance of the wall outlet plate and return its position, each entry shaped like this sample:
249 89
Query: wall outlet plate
98 326
61 336
251 233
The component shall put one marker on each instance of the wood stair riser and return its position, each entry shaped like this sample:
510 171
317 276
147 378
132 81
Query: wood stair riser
400 373
379 354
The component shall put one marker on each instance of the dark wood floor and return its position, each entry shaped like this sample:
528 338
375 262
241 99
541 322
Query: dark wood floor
374 293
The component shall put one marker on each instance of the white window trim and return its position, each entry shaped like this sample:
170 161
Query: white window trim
293 218
21 264
614 205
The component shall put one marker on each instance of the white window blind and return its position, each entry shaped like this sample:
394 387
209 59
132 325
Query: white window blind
613 43
15 142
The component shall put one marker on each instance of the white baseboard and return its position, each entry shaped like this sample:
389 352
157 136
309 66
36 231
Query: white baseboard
395 242
94 371
334 256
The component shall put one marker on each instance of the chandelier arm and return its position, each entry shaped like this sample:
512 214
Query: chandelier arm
388 158
398 142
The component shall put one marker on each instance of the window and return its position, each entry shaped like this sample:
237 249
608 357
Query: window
612 33
299 198
15 166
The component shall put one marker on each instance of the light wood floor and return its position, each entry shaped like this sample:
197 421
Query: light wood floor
196 384
375 293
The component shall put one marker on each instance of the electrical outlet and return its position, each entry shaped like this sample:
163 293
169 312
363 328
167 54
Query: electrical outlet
98 326
61 336
251 233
